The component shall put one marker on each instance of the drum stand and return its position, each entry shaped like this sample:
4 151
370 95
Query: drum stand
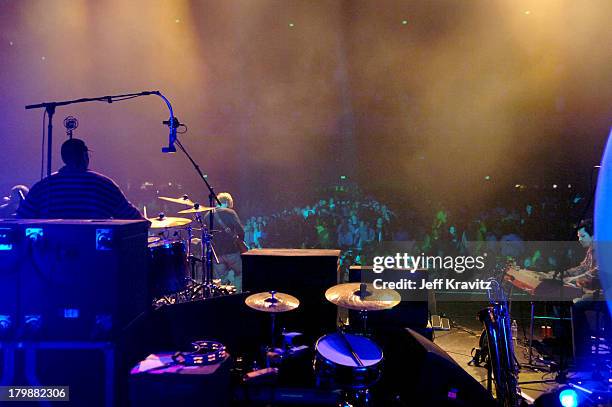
272 348
207 288
356 398
363 315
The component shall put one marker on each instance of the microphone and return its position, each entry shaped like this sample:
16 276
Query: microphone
70 123
173 123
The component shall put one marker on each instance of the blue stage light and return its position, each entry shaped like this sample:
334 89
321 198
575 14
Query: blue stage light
568 398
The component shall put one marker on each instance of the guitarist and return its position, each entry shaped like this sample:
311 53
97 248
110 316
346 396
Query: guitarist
228 242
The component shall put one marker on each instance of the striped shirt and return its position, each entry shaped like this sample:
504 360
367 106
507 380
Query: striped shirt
76 194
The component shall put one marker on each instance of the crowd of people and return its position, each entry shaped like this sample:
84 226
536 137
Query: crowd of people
356 223
328 223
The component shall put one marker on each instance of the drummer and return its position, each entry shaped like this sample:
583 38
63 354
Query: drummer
75 192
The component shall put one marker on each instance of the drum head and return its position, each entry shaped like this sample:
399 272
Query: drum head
335 349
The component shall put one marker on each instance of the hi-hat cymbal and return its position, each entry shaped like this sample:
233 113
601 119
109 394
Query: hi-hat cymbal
272 301
167 222
197 210
182 200
347 296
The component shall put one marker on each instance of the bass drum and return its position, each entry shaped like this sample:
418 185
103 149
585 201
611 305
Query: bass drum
335 366
168 267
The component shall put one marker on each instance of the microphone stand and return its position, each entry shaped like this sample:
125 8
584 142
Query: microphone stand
209 289
50 108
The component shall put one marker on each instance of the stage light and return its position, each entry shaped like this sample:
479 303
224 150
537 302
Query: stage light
527 12
291 25
568 398
11 43
555 186
178 20
43 58
404 22
488 177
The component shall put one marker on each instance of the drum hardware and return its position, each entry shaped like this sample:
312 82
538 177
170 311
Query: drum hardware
181 284
261 375
289 347
352 363
192 292
207 249
191 286
287 350
272 302
208 287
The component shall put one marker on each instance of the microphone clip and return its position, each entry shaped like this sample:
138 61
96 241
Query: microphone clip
173 123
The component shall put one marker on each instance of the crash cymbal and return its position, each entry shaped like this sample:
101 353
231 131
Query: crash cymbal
272 301
197 209
347 296
167 222
182 200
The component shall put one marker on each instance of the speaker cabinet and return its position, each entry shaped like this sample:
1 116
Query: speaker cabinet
72 279
419 372
303 273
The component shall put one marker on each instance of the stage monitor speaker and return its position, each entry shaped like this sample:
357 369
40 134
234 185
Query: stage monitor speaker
303 273
72 279
419 372
90 370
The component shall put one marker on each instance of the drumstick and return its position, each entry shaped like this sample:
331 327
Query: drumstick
350 348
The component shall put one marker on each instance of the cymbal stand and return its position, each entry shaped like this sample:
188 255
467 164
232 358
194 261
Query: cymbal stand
206 238
190 258
363 314
208 253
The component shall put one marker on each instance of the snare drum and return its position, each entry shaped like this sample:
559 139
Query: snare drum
168 267
335 366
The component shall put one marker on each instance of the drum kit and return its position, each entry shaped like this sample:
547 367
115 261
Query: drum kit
349 362
176 259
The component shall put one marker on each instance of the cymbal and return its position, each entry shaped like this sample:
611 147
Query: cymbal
182 200
167 222
197 210
347 296
272 301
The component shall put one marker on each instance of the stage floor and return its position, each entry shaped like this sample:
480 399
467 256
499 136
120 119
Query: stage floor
464 336
459 342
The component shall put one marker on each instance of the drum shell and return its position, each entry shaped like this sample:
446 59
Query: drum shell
168 267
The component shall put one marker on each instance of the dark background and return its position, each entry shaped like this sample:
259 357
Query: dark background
415 101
